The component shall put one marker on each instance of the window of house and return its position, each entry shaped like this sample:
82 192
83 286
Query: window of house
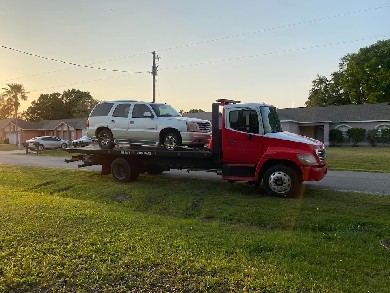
344 129
381 128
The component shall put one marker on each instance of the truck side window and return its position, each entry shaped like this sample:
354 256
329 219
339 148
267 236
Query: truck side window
139 110
244 120
122 110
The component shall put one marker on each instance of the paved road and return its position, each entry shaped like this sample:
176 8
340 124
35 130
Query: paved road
364 182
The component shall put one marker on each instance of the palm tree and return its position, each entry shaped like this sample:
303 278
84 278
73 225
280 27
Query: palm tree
13 93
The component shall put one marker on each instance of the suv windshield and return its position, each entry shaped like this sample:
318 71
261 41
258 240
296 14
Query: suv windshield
271 121
163 110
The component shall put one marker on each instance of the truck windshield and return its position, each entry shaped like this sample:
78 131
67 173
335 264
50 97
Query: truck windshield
270 118
163 110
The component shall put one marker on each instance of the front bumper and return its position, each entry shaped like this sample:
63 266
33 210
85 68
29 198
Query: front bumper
190 138
314 173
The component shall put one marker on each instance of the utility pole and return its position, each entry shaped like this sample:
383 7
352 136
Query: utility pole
154 73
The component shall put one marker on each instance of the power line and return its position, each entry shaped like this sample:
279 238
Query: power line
70 63
69 68
199 43
272 53
276 28
230 59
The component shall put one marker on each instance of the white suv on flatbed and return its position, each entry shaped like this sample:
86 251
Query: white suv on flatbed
141 122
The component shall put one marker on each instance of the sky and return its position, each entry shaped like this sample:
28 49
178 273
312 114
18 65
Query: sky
247 50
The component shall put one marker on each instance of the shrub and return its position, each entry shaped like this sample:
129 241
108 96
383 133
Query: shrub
385 136
336 137
6 140
356 135
372 137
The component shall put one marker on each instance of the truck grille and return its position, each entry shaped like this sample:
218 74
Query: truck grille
321 155
204 126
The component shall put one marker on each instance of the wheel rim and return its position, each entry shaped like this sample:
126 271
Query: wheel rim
105 139
280 182
119 171
63 146
170 142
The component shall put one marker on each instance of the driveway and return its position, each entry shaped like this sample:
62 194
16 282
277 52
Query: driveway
363 182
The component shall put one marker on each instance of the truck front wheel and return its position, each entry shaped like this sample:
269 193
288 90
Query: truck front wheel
123 170
282 181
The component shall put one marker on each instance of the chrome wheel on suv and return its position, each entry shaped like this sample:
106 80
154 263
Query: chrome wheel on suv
171 140
105 139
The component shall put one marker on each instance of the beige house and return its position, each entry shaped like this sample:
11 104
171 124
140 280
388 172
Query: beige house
18 131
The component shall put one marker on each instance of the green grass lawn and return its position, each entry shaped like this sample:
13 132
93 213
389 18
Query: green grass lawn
370 159
79 231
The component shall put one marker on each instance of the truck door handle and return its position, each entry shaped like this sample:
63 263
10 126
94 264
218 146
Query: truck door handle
131 122
232 141
112 121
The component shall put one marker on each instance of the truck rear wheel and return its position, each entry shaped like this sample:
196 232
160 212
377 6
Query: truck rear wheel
282 181
124 170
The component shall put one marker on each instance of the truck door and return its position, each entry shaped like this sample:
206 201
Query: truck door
143 124
119 122
242 136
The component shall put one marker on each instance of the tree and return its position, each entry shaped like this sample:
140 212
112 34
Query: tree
46 107
70 104
196 111
363 77
12 95
10 99
77 103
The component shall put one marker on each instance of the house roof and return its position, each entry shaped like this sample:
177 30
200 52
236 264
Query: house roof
336 114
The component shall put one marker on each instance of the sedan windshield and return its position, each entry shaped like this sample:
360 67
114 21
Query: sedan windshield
271 121
163 110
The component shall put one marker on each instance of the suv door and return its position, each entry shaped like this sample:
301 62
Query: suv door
119 120
143 124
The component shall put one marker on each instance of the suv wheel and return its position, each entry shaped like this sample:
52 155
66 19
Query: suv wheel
171 140
105 139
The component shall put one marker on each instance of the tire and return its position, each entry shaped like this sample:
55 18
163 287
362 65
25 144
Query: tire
171 140
105 139
40 147
282 181
64 146
124 170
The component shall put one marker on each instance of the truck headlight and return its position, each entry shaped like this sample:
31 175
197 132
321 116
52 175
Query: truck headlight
307 159
192 126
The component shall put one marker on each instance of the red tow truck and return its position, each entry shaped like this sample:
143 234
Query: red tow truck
247 144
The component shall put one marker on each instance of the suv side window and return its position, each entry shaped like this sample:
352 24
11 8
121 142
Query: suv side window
139 110
244 120
102 109
122 110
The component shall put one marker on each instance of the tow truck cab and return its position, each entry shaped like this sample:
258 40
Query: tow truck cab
251 146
